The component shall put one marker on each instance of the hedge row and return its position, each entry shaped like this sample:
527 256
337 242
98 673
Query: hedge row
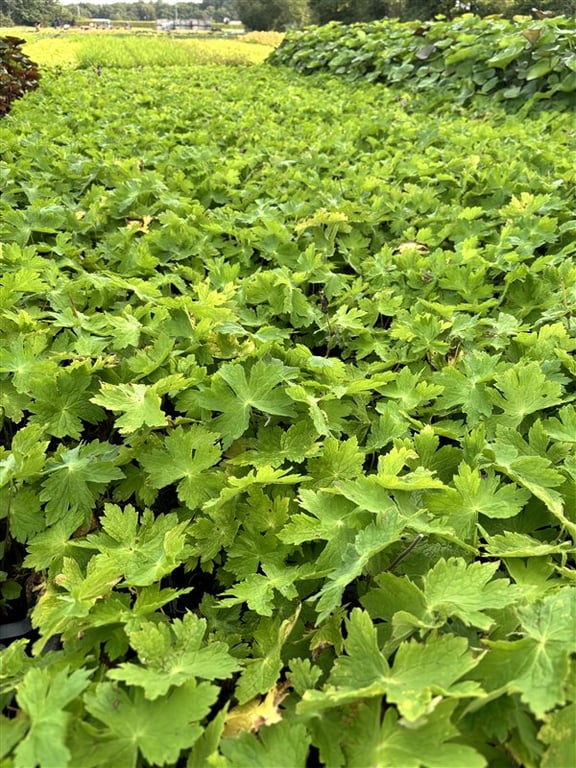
17 73
513 60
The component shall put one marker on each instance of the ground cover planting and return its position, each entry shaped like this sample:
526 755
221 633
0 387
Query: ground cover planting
515 62
103 50
113 48
287 385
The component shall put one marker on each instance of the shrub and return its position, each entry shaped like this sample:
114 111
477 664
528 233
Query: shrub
18 74
511 61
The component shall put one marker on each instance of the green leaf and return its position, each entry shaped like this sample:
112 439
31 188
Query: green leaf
558 734
261 477
186 458
139 404
564 427
391 464
422 670
338 460
368 494
51 545
531 573
43 696
537 666
318 415
512 544
258 591
24 358
158 729
275 445
541 67
76 477
261 671
394 594
361 643
303 675
284 745
410 392
26 517
476 494
235 395
326 521
13 731
171 655
419 673
57 610
524 389
27 456
468 388
454 588
205 750
143 549
503 57
373 539
13 404
434 742
532 471
61 404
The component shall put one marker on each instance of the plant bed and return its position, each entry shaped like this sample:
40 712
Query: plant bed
287 389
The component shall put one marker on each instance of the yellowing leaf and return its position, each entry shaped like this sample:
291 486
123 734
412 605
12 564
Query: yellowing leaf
140 225
412 245
256 713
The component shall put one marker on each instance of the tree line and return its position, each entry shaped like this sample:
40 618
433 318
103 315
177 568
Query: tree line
282 14
28 12
272 14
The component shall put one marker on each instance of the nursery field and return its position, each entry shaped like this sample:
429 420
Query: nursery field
287 460
89 49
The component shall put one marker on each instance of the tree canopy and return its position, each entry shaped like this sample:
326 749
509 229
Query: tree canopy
30 11
272 14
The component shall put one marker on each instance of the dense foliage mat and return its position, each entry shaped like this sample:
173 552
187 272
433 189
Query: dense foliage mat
520 62
18 74
97 49
288 432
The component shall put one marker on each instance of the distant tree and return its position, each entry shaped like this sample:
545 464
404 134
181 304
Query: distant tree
29 11
558 7
143 10
272 14
349 11
215 10
427 9
300 13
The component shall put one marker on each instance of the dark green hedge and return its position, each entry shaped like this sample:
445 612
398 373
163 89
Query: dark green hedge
516 60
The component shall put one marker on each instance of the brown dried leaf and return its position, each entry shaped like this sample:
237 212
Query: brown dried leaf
532 35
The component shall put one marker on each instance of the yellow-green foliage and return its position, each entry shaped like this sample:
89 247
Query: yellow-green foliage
53 51
166 51
270 38
121 49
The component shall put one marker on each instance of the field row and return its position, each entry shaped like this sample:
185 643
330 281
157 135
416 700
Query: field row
97 48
